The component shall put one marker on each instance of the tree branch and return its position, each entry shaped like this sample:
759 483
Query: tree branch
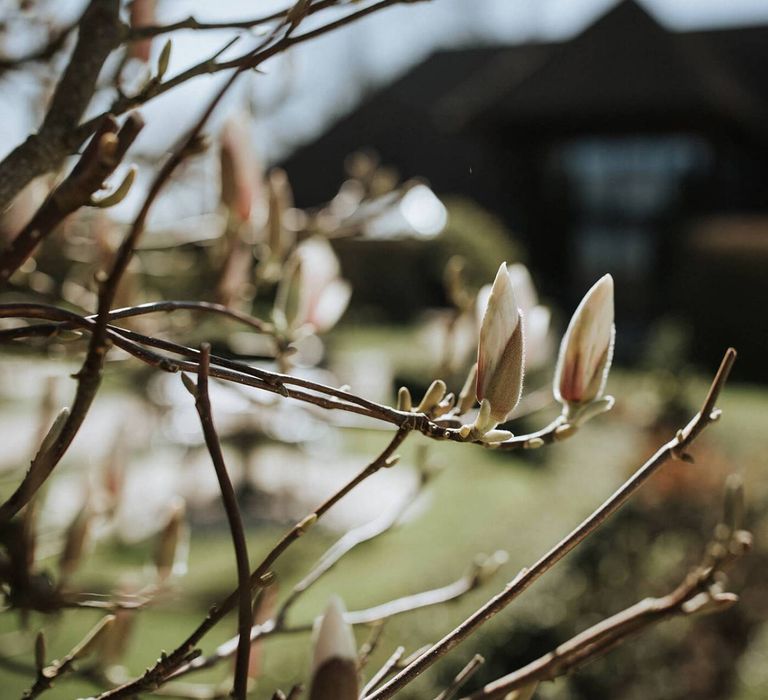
183 657
89 376
99 160
149 31
445 428
462 677
248 60
694 595
49 50
245 615
99 32
675 448
342 547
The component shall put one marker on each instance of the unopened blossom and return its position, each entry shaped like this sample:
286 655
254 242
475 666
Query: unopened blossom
500 350
536 317
142 15
240 171
334 662
171 547
314 294
587 347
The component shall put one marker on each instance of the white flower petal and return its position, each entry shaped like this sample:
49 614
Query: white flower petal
586 350
500 350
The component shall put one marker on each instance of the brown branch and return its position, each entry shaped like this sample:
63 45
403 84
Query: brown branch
47 675
417 601
149 31
385 670
89 376
229 499
342 547
462 677
99 160
183 657
98 34
675 448
248 60
274 382
140 310
692 596
368 616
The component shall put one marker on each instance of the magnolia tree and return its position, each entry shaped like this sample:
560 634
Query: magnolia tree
268 249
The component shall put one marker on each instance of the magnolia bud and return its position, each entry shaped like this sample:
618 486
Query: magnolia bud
170 549
467 395
587 348
312 292
404 400
334 663
75 541
164 60
239 168
142 14
432 396
500 351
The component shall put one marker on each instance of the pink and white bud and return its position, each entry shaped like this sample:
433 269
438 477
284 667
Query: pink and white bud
172 544
586 350
522 285
500 350
319 296
334 662
536 317
240 170
142 15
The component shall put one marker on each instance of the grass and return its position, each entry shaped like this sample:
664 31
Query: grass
482 501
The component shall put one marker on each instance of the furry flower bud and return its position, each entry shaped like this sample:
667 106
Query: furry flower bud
587 347
500 351
334 664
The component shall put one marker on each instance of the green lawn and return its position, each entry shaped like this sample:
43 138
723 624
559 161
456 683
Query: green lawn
482 501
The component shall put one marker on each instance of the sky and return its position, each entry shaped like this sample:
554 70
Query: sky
328 76
297 95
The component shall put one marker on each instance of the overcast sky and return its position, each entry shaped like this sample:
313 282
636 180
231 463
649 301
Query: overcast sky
326 77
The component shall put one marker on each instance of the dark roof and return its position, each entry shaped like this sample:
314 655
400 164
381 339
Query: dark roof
623 69
625 72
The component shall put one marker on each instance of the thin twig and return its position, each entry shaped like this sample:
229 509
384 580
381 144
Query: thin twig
246 61
229 499
693 595
385 670
49 674
370 645
103 154
274 382
89 376
98 34
417 601
149 31
379 613
183 656
46 329
675 448
345 544
43 53
462 677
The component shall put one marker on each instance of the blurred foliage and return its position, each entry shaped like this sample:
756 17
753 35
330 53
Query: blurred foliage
479 237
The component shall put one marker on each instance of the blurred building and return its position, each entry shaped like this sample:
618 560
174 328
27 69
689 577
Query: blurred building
629 148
